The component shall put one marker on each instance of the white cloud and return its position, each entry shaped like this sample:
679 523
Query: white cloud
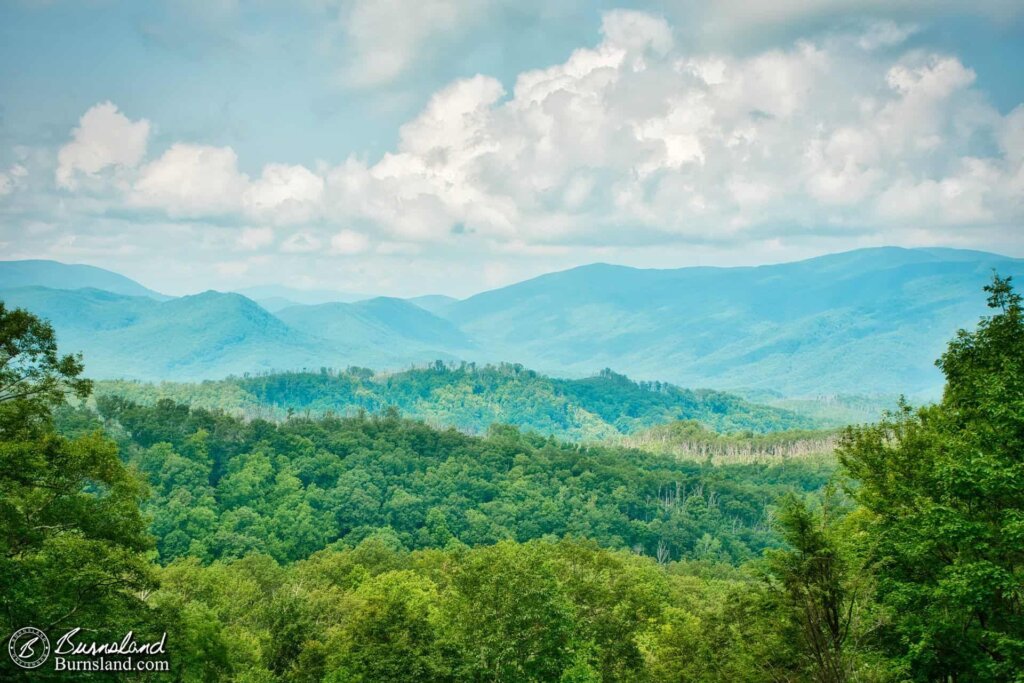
933 77
636 31
1011 134
883 34
349 242
252 239
104 138
841 167
636 142
200 181
191 180
287 194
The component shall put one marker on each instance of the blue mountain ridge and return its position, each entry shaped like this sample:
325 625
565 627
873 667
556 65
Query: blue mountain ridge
57 275
868 322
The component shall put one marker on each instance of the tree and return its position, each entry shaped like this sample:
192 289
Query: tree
391 633
71 535
722 630
508 615
34 377
812 572
944 489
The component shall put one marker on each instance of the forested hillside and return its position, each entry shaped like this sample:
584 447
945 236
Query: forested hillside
472 398
223 487
376 548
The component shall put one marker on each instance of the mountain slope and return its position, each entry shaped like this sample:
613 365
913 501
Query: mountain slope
868 321
438 304
213 334
473 398
192 337
57 275
375 321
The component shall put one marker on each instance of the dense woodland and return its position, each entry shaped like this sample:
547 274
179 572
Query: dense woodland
471 398
376 548
222 487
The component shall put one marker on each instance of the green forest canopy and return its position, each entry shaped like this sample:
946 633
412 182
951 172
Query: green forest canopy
374 548
223 487
471 398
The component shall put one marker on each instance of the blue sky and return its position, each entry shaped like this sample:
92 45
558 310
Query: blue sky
455 145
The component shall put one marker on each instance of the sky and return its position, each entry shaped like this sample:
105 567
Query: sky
407 147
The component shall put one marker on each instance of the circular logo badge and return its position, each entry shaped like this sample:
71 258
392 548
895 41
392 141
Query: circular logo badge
29 647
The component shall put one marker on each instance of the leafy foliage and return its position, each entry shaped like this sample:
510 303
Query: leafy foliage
377 548
944 487
34 378
224 487
72 539
472 398
539 611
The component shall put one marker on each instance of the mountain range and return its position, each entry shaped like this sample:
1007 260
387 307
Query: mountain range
868 322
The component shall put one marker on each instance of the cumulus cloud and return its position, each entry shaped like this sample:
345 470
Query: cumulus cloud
636 141
251 239
191 180
105 138
289 194
201 181
349 243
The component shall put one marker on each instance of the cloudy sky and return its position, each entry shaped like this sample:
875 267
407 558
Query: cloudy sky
418 146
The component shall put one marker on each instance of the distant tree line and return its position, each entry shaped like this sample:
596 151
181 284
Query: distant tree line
471 398
689 439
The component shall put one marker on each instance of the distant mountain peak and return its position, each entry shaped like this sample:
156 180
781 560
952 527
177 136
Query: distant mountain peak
57 275
868 322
